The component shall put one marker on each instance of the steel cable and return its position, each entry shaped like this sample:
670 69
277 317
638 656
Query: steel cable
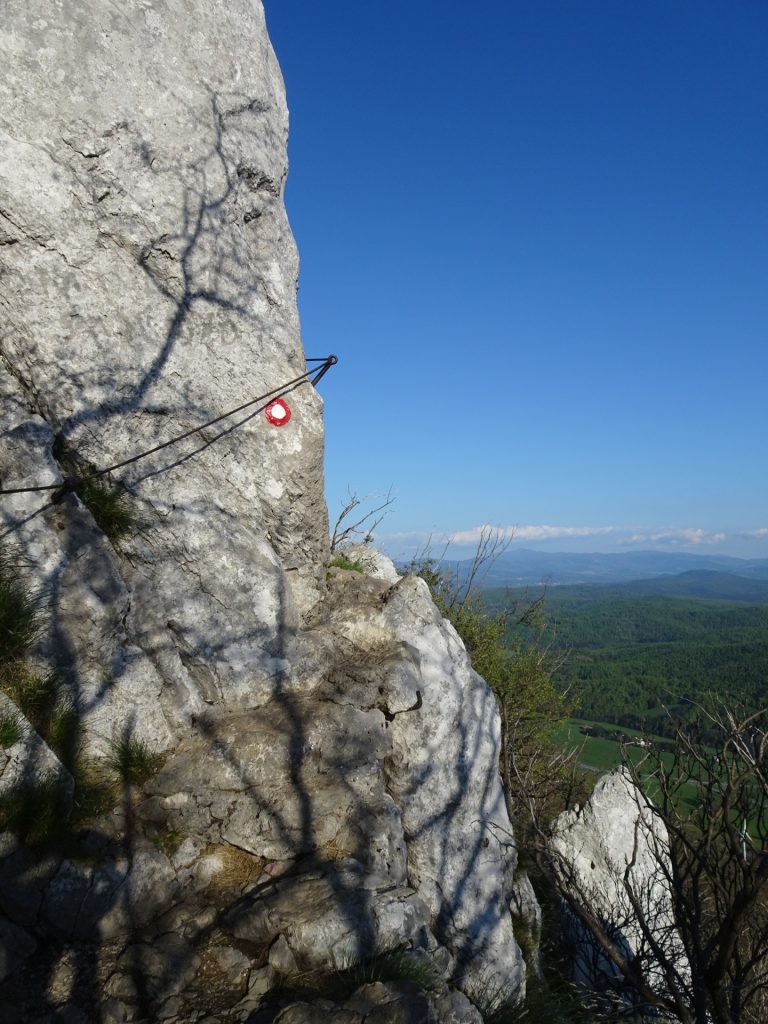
74 483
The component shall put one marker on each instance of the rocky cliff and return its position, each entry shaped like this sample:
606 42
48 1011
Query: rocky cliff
319 781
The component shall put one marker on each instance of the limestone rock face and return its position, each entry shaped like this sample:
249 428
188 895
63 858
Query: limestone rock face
357 810
374 562
614 848
148 285
441 770
328 788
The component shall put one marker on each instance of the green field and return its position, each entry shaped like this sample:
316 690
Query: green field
599 755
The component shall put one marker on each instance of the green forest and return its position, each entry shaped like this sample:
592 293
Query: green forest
631 659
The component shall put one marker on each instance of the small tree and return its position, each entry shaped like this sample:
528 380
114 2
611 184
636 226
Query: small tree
357 520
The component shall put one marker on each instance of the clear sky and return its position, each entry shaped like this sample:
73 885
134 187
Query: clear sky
536 235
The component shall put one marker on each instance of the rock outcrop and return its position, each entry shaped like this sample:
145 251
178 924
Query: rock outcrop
149 280
318 783
612 856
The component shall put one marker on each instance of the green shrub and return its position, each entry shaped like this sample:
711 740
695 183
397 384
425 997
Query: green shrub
63 733
518 670
34 693
38 811
400 964
35 811
95 793
342 561
20 614
10 729
131 760
169 840
113 509
509 649
45 703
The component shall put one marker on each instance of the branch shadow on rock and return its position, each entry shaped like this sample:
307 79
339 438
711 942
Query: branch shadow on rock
128 903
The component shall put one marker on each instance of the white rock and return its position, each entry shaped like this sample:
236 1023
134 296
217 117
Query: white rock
376 563
149 284
442 772
615 830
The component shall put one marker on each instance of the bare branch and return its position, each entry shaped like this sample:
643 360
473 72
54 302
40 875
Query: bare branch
703 947
362 528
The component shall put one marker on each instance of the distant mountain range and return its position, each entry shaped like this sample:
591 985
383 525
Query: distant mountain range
524 567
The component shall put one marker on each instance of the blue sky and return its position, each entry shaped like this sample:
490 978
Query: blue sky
536 235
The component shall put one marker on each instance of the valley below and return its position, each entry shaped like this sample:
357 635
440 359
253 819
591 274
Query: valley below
641 654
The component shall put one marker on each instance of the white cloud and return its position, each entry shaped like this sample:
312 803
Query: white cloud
692 536
689 535
474 534
535 534
543 532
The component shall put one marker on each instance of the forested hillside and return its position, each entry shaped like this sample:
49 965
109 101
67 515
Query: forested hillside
629 657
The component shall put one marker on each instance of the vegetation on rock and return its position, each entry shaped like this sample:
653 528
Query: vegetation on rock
10 729
342 561
35 811
113 509
132 761
44 809
20 615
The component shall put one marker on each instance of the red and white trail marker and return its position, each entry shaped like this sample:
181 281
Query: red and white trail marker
278 413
